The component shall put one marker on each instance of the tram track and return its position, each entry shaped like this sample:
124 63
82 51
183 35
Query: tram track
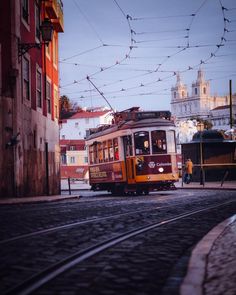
78 223
38 280
73 224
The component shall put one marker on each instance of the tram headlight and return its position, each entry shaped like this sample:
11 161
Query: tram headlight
161 169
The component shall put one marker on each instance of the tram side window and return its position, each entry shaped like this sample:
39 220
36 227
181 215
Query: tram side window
128 145
158 141
116 148
100 153
105 151
95 151
91 155
141 140
110 150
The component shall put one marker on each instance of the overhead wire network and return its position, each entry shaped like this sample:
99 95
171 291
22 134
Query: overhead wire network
116 80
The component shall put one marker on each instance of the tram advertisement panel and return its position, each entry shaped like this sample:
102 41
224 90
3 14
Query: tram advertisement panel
107 172
153 164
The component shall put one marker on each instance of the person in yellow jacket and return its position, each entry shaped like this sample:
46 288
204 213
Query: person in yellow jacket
188 171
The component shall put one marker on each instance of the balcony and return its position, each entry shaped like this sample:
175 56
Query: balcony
54 9
51 8
58 23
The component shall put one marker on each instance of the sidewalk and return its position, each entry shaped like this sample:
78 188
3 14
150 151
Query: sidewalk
207 185
231 185
36 199
212 266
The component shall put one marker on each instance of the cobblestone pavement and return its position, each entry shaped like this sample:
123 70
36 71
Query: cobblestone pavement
91 277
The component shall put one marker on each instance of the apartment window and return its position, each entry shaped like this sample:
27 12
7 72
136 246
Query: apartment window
76 124
72 148
72 160
49 95
85 159
48 51
63 159
55 51
63 137
87 132
87 120
37 21
56 114
26 78
25 10
39 88
195 91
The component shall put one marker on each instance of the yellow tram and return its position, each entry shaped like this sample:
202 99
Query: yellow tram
135 154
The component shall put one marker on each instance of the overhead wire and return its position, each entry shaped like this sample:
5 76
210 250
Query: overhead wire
166 58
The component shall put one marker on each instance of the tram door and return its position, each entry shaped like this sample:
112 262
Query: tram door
129 160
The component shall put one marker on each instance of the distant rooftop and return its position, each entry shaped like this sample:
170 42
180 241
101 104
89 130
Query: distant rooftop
82 115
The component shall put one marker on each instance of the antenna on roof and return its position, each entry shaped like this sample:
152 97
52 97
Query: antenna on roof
100 93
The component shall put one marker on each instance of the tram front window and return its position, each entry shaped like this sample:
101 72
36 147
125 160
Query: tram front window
158 141
141 140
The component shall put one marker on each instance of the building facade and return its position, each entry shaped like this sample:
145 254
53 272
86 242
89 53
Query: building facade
29 98
220 117
199 103
78 125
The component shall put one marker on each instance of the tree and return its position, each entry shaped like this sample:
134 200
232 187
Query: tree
65 105
67 109
207 124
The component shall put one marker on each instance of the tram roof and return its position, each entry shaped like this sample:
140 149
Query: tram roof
130 124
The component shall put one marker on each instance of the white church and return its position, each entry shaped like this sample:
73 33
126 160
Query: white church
198 104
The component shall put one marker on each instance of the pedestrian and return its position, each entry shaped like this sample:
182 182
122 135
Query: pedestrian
188 171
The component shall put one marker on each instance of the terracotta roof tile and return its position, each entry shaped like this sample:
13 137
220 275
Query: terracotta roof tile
82 115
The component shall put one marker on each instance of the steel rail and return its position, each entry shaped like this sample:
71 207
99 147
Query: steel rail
65 226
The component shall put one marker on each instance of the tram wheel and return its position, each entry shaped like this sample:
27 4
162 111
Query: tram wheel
138 192
118 191
146 192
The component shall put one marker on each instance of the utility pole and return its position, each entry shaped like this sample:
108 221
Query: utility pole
230 105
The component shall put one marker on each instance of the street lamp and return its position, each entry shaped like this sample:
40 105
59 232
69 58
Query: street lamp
46 33
200 128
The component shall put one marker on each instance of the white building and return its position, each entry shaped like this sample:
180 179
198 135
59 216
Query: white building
220 117
199 103
77 126
73 131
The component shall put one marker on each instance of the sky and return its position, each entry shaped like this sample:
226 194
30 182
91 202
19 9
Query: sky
126 53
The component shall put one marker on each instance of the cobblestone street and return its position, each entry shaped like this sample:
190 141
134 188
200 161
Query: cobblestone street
42 234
